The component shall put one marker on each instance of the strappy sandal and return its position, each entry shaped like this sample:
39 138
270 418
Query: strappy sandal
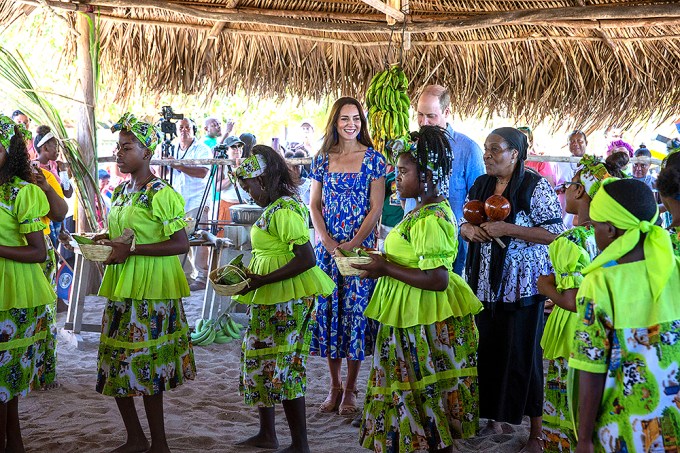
332 401
350 408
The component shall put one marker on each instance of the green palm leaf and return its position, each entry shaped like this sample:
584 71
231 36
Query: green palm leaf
20 88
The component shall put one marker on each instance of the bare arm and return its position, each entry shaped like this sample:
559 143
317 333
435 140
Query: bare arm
34 252
194 172
303 260
377 199
431 279
537 235
178 244
315 211
565 299
58 206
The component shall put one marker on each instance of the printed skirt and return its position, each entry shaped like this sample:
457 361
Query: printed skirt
557 425
144 348
422 389
24 334
49 268
275 350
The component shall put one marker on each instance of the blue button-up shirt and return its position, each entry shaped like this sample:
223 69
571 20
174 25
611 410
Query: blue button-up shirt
467 165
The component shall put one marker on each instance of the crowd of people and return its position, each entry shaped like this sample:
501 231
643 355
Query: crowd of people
449 312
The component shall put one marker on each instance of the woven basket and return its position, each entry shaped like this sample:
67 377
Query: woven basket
344 264
95 252
228 290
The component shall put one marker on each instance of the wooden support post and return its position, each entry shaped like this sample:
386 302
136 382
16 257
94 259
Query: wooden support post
85 128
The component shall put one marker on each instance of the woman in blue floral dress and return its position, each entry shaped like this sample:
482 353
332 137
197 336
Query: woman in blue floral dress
346 201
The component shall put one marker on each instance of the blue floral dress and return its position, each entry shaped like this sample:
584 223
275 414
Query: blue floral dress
342 330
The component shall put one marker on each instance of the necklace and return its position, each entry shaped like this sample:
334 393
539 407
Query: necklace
498 181
131 185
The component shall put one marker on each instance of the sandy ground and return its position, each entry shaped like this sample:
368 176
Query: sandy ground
206 415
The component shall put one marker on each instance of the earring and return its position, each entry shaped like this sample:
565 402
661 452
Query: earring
335 133
359 136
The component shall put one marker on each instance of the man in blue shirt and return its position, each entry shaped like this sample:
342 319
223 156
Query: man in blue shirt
434 107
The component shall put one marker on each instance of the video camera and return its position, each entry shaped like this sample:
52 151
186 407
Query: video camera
166 124
220 152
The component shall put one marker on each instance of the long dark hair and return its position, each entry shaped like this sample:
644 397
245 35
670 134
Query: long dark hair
277 178
17 163
331 139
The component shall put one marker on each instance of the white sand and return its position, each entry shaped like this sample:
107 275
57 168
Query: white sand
205 415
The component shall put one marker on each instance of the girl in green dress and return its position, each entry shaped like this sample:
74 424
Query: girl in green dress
668 185
145 347
422 387
569 253
25 293
626 345
281 297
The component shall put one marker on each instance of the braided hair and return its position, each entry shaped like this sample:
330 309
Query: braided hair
431 151
17 163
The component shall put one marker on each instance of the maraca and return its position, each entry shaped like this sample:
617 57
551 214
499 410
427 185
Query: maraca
474 212
497 208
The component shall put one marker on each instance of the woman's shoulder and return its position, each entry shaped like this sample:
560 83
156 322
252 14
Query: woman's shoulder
578 235
289 203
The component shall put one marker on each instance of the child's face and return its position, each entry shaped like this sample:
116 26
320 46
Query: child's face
605 234
408 184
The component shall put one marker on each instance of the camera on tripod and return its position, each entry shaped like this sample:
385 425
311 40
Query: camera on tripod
167 126
220 152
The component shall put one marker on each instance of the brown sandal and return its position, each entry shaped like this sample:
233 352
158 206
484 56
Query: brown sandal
332 401
349 407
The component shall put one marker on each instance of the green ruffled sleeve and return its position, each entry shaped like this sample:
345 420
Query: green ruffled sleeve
434 242
30 206
568 259
290 227
168 207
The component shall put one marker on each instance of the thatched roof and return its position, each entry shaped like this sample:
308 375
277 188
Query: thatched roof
603 62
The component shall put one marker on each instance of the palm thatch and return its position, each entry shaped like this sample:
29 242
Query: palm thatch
599 63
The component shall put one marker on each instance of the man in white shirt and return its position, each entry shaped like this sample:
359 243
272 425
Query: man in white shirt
190 182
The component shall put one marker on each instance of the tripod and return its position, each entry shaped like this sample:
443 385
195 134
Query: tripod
167 150
213 187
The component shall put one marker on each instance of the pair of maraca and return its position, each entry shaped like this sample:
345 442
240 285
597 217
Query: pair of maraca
496 207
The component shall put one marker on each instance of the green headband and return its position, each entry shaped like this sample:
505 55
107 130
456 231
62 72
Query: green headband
251 167
591 173
145 132
659 256
7 131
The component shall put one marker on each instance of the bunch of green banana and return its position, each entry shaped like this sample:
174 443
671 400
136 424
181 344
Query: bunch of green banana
220 331
388 106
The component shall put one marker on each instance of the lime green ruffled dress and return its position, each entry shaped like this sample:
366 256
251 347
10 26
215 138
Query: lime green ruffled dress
26 293
145 346
633 340
569 253
422 388
278 336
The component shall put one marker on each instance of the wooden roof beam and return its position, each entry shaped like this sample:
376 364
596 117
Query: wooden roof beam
389 10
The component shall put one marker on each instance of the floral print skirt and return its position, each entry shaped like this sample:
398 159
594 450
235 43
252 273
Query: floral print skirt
144 349
557 425
25 364
422 389
275 350
49 267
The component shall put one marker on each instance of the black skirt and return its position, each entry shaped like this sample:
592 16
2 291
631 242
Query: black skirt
510 363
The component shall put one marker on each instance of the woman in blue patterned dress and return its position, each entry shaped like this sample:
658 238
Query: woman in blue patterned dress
346 200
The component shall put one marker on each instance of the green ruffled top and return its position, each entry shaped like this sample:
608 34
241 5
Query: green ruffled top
570 253
282 225
425 239
22 285
675 240
154 213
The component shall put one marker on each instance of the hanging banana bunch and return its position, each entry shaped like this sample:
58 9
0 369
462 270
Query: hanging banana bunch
388 107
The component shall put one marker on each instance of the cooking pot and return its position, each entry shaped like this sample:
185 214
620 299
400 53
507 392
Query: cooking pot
245 214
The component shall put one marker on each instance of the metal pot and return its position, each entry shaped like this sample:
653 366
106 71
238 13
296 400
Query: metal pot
245 214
